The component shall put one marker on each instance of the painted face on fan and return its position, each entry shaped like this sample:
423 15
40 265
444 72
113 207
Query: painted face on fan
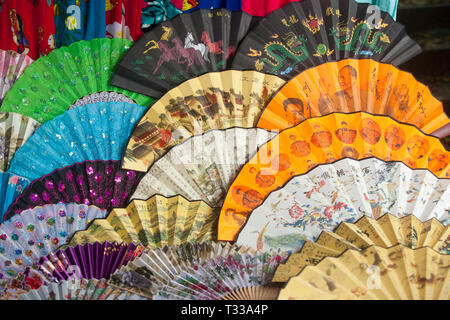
418 147
294 110
370 131
395 137
438 161
322 137
347 77
247 197
345 134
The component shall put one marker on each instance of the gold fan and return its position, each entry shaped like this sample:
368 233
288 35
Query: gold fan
154 222
396 273
385 232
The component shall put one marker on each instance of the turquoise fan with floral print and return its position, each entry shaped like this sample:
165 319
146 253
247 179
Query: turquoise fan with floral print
37 232
53 83
92 132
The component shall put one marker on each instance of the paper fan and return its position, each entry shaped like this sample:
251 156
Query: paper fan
15 129
321 140
396 273
304 34
354 85
89 261
202 167
12 65
99 183
216 100
185 47
386 232
155 268
243 273
156 222
39 231
82 289
11 186
343 191
92 132
54 82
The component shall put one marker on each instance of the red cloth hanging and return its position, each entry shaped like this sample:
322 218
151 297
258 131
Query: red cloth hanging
27 26
123 19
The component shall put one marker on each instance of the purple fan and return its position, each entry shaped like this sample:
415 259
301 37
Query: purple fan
100 183
98 260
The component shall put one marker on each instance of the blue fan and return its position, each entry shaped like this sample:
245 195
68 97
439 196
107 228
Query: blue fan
96 131
11 186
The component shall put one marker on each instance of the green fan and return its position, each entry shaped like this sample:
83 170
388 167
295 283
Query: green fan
54 83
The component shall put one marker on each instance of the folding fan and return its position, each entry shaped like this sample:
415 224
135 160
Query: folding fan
185 47
386 232
92 132
343 191
97 260
354 85
216 100
263 7
161 265
202 167
12 65
321 140
81 289
396 273
54 82
28 279
99 183
39 231
156 222
242 275
11 186
304 34
15 129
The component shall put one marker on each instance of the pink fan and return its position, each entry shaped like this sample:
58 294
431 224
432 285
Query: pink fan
12 65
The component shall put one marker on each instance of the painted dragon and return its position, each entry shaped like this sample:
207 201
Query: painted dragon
293 49
361 38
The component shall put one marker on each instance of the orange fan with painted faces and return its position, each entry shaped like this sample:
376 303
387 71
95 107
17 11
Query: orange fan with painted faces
326 139
356 85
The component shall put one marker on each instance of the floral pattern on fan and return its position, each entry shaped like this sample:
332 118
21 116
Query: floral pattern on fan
220 276
39 231
99 183
343 191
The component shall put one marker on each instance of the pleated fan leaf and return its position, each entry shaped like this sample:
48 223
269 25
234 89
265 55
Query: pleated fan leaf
92 132
354 85
155 222
97 260
185 47
217 100
322 140
202 167
81 289
158 266
376 273
15 129
39 231
305 34
344 191
12 65
55 82
386 231
11 186
219 277
100 183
